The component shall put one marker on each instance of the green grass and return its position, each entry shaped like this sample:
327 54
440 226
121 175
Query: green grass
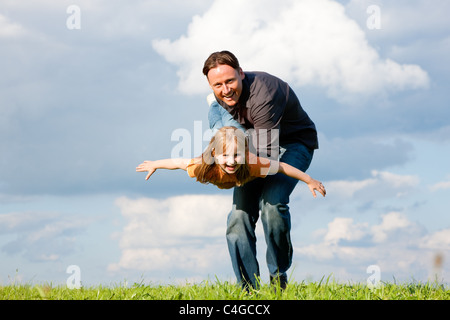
217 290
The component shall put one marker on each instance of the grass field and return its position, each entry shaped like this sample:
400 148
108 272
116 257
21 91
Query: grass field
217 290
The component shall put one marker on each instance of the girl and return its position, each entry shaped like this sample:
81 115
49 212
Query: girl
227 163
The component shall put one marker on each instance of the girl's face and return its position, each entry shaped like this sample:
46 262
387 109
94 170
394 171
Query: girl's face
231 158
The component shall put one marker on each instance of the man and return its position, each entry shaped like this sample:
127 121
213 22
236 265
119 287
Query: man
270 109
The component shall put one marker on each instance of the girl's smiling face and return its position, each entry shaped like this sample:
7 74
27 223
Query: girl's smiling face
231 158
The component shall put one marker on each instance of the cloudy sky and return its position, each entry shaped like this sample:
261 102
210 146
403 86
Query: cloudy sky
87 92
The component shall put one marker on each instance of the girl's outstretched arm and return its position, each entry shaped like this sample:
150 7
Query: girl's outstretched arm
300 175
170 164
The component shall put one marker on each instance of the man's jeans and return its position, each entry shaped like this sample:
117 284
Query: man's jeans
271 196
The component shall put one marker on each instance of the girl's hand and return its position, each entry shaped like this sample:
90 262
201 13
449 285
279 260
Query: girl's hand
316 185
146 166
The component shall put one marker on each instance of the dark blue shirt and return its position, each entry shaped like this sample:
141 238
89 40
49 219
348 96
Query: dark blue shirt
268 103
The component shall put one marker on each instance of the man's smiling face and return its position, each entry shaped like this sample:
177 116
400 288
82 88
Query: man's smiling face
226 83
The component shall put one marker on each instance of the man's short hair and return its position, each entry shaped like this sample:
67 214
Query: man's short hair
219 58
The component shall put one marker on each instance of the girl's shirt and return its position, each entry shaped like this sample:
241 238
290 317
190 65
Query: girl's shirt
258 167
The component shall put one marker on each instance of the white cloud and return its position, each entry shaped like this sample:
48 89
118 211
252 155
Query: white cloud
9 29
399 246
159 237
182 257
396 180
305 42
186 216
22 221
346 188
439 240
390 223
444 185
382 182
185 232
40 236
344 228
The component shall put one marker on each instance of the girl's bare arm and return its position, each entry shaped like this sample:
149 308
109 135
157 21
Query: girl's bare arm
302 176
170 164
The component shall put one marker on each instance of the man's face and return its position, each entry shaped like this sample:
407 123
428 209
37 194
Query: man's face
226 83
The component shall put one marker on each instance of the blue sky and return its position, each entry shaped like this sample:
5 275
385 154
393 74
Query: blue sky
81 108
